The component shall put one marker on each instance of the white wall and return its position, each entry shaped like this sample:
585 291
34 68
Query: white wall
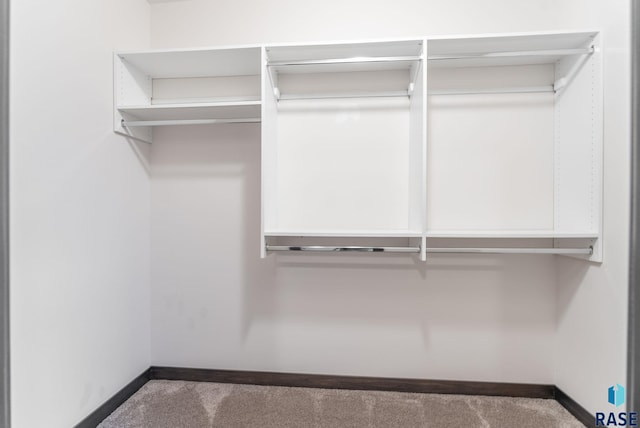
207 22
591 340
79 213
214 304
80 226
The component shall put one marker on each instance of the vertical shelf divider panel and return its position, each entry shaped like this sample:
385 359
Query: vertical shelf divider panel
418 149
269 155
578 145
131 87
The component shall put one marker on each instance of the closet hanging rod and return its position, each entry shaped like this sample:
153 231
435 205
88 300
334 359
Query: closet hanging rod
226 101
354 60
133 123
324 248
463 250
403 93
514 90
550 52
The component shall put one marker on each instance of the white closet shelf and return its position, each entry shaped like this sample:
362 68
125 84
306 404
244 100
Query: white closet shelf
347 57
515 234
509 50
347 66
185 63
193 111
344 234
581 252
459 234
500 61
340 50
185 87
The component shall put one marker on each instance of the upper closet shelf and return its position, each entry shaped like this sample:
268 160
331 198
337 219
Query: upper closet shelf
348 57
508 50
185 63
186 87
383 69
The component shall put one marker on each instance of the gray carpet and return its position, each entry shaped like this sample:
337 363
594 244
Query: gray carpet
174 404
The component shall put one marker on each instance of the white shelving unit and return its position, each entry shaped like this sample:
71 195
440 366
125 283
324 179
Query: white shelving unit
183 87
478 144
345 155
524 159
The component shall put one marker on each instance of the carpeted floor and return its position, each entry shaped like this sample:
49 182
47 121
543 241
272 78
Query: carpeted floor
174 404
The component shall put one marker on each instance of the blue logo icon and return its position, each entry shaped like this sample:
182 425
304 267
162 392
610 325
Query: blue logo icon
616 395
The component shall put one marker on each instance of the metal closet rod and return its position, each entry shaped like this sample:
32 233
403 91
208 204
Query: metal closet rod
405 93
371 94
353 60
463 250
325 248
514 90
133 123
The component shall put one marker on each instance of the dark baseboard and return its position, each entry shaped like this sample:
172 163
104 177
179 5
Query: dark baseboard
114 402
354 382
572 406
424 386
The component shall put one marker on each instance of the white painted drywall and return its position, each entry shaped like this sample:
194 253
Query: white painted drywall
524 319
215 304
80 210
470 183
591 339
318 185
216 22
79 213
